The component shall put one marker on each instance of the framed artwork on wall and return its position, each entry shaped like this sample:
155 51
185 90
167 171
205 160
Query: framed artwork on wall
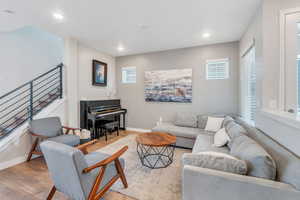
169 86
99 73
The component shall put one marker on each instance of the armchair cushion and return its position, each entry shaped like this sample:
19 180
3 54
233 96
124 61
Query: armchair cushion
71 140
95 157
49 127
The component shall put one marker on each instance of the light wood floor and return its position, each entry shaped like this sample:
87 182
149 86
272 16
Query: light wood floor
30 180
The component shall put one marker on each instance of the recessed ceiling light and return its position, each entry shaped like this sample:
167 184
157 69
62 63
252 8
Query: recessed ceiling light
58 16
120 48
206 35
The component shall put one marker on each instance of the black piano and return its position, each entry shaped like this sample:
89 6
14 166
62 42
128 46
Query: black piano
92 112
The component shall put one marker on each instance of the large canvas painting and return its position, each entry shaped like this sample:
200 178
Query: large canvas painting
169 86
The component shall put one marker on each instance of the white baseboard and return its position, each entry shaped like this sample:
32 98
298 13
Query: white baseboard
12 162
138 129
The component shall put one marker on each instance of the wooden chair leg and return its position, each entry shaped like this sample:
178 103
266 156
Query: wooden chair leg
96 184
121 172
105 132
51 194
35 143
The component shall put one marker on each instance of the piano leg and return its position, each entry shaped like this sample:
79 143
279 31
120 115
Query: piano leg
119 120
124 126
93 135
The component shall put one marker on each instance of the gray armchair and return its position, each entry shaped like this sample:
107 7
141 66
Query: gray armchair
79 176
50 129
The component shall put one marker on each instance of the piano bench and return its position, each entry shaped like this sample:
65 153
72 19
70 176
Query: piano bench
110 126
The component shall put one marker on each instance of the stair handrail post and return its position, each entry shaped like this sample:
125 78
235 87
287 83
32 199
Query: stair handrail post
61 80
31 101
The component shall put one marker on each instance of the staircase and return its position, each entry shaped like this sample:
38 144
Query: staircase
24 102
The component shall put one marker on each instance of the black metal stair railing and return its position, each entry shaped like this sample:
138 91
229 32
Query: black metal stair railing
22 103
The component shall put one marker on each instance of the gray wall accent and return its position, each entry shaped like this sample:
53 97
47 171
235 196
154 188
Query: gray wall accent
214 96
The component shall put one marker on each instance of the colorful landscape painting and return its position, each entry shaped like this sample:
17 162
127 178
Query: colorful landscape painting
169 86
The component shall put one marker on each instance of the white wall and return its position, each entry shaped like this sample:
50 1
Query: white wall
86 90
266 31
78 61
26 53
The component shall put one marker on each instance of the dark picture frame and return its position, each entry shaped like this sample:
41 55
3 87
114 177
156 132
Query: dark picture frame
99 73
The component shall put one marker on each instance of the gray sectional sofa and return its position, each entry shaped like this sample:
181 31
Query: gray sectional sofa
209 184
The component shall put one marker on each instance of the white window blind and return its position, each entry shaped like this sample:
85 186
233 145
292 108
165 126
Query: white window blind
217 69
298 80
128 74
249 85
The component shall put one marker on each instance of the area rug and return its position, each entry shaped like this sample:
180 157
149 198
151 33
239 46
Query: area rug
145 183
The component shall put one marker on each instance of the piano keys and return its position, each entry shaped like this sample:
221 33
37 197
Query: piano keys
93 111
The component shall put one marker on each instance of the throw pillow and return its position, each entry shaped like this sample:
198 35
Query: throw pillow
216 161
202 119
186 119
214 124
221 138
260 163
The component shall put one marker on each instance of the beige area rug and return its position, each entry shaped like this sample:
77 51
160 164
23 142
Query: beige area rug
145 183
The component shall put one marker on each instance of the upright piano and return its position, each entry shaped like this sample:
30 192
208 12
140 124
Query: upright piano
93 111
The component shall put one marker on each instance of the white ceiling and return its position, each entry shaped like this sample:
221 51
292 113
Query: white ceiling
139 25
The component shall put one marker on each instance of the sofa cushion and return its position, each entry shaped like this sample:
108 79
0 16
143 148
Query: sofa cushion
186 119
216 161
202 120
287 163
227 120
260 163
234 130
205 143
179 131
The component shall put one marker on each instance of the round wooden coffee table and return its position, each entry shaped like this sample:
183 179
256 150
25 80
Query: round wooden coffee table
156 149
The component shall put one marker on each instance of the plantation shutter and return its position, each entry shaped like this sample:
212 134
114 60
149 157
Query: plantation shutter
217 69
129 75
249 86
252 86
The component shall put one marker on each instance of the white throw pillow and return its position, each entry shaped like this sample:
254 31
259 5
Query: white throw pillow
221 138
214 124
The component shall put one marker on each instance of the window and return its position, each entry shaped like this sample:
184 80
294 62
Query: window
129 75
217 69
289 90
248 86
